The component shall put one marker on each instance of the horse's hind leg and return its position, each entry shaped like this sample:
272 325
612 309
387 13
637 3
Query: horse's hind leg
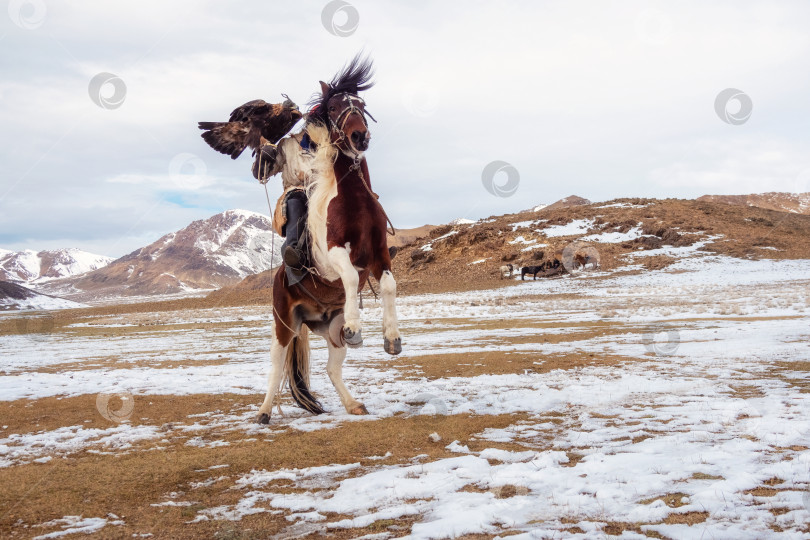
392 342
334 368
342 263
278 353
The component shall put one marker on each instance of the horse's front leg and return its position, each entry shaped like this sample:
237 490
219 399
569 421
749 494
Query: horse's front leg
392 342
342 263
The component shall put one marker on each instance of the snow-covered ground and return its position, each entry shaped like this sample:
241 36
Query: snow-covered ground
38 302
710 403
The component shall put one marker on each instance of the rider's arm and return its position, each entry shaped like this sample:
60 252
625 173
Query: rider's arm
269 162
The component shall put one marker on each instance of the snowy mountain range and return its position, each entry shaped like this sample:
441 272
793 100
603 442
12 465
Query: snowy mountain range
33 267
207 254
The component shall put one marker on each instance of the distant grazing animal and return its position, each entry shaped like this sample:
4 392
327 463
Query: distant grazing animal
507 270
531 270
585 257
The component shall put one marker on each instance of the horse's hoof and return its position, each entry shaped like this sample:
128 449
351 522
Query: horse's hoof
263 418
359 410
392 347
353 339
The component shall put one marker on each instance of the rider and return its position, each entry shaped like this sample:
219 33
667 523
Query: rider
292 157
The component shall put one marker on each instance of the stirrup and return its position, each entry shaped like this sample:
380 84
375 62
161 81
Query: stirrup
293 258
295 275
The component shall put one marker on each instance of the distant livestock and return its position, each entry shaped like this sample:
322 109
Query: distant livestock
575 257
582 260
534 270
507 270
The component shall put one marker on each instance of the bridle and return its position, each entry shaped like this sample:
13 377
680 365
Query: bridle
356 104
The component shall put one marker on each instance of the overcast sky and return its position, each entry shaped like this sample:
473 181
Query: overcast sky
598 99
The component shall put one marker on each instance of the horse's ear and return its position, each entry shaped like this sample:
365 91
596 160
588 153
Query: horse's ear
324 88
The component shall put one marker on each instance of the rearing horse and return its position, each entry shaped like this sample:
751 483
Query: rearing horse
347 237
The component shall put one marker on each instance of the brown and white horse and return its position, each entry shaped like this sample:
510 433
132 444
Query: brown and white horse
347 237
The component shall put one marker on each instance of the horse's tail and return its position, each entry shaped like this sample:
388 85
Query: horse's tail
296 368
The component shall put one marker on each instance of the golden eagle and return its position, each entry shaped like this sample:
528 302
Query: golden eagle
253 124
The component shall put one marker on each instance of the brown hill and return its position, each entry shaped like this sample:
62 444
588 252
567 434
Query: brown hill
571 200
796 203
406 236
469 256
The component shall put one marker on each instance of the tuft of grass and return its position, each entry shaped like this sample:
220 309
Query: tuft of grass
673 500
704 476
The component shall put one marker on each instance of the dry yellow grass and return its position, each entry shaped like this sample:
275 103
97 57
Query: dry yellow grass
126 485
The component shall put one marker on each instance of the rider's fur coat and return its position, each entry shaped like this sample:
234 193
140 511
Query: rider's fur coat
295 165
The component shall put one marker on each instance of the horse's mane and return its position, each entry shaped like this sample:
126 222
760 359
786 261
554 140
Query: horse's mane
355 77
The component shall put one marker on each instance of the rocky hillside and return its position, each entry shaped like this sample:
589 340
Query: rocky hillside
207 254
37 267
458 257
405 236
633 234
796 203
571 200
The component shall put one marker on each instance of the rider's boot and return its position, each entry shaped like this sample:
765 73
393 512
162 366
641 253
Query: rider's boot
292 251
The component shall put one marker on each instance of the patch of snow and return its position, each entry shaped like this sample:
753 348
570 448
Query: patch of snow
521 240
523 224
533 247
76 525
624 205
576 227
614 237
429 245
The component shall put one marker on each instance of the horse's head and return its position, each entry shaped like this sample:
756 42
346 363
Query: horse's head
342 110
347 122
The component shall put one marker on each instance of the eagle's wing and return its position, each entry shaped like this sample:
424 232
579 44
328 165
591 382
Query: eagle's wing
251 110
249 124
226 137
240 131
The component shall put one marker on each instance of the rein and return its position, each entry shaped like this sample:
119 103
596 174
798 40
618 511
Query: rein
355 166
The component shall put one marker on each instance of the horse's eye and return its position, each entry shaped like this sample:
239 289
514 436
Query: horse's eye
331 108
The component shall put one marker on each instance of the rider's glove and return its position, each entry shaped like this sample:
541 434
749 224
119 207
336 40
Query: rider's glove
265 160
